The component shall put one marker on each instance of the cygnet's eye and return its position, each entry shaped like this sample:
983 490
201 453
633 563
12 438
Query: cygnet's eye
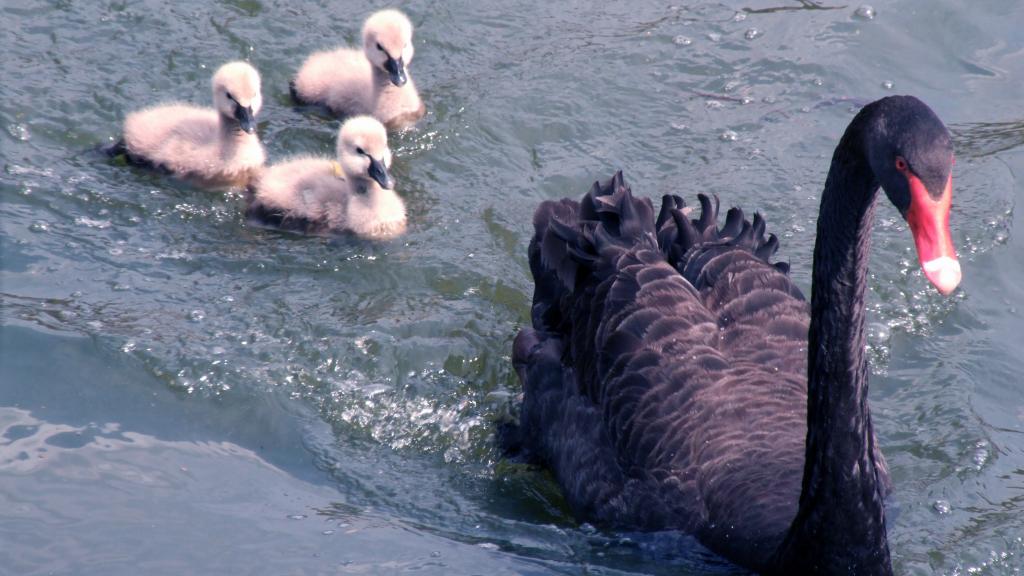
360 151
379 47
230 97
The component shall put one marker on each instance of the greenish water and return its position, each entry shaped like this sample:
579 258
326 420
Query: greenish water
185 393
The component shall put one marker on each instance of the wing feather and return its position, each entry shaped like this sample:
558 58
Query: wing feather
664 376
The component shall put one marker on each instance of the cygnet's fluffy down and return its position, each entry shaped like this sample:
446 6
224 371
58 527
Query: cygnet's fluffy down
216 146
372 81
354 193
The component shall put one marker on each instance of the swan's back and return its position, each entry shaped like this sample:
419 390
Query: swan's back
665 374
309 195
341 79
182 139
188 141
204 144
303 194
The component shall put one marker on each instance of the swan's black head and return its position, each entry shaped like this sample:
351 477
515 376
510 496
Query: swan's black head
911 154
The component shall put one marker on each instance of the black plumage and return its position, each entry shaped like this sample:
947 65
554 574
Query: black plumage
666 372
295 94
120 149
271 217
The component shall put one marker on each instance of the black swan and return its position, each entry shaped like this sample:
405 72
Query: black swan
675 379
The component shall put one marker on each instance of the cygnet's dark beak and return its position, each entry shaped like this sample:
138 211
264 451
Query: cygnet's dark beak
246 118
396 69
379 173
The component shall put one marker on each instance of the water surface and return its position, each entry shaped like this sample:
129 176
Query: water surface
186 393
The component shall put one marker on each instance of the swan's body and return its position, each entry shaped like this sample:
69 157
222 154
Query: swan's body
213 146
353 193
666 379
371 80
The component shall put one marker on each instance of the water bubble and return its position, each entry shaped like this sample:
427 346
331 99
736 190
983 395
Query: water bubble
888 84
39 226
739 17
682 41
19 131
729 136
752 33
327 532
879 332
865 12
714 36
980 454
91 223
196 315
818 82
296 516
678 126
942 507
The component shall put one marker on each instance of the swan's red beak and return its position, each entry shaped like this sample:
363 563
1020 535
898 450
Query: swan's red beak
929 223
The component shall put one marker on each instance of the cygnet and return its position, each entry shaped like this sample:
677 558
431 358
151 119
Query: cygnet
354 193
372 81
216 146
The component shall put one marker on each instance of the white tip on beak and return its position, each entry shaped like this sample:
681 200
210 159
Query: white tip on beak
944 273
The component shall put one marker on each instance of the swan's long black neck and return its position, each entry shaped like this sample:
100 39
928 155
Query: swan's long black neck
840 522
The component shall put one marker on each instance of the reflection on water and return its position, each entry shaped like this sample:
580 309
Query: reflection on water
980 139
29 445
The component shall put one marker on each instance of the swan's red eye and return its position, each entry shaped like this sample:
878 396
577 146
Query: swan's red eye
901 164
